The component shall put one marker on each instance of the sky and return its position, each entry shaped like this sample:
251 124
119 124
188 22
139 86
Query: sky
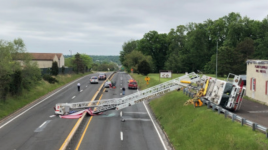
100 27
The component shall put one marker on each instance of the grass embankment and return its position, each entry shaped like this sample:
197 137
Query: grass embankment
42 88
154 79
190 128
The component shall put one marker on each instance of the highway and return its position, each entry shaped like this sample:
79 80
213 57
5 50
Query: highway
38 127
108 132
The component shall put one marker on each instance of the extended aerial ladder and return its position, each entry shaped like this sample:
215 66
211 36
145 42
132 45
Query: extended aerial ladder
132 99
227 94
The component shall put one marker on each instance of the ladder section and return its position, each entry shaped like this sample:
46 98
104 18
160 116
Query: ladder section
132 99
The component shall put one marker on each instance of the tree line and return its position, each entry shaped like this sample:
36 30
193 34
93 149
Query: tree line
17 72
83 62
231 40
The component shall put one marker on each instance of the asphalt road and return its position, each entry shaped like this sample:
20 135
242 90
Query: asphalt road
254 111
38 128
108 132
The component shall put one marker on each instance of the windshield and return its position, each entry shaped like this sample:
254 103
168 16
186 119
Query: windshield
228 88
133 83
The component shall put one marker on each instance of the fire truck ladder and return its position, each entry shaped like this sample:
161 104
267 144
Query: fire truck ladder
132 99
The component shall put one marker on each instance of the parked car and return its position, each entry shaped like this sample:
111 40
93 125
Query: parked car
94 79
244 78
132 84
102 76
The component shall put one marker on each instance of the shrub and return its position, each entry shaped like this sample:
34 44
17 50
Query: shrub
50 79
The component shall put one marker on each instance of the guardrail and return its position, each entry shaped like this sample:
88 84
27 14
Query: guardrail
229 114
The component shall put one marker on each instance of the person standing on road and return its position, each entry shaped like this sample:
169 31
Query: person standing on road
78 86
123 89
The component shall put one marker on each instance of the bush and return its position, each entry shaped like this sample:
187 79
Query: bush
50 79
144 68
55 69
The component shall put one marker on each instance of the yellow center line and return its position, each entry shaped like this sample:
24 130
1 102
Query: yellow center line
63 146
82 137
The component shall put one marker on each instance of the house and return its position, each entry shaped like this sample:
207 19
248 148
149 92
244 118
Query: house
45 60
257 80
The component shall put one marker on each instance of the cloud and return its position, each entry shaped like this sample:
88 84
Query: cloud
101 27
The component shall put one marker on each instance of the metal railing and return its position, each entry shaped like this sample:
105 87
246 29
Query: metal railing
228 114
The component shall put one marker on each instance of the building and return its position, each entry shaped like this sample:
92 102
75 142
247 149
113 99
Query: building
257 80
45 60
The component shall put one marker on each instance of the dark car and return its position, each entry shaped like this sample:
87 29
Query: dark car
244 78
102 76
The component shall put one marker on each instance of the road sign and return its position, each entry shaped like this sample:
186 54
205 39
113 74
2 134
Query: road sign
131 70
147 79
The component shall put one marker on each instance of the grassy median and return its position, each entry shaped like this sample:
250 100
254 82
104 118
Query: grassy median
190 128
42 88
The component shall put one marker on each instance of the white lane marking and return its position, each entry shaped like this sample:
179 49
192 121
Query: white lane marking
137 119
73 97
81 91
136 112
86 86
42 127
52 116
121 114
40 102
121 133
155 127
42 124
129 76
121 78
261 111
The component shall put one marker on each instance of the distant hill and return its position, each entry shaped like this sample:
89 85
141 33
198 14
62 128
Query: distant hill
102 58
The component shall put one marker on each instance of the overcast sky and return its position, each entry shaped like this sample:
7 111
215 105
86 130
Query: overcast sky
100 27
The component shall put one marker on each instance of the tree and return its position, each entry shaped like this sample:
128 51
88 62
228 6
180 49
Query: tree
134 58
144 68
87 60
31 74
246 48
127 48
156 46
62 69
55 68
5 68
78 63
16 83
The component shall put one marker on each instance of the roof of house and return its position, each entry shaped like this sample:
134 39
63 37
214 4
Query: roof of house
257 61
45 56
59 55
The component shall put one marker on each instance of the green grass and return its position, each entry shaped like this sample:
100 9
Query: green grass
42 88
154 79
190 128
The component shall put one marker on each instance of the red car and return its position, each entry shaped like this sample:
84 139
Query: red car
132 84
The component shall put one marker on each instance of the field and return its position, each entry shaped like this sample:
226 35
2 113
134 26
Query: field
190 128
